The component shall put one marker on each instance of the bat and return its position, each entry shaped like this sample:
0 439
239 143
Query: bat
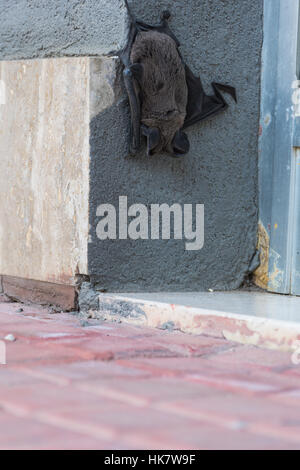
165 96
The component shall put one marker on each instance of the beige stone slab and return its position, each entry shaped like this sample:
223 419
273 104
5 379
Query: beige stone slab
45 111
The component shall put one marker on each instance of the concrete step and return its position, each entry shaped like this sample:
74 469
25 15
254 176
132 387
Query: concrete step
256 318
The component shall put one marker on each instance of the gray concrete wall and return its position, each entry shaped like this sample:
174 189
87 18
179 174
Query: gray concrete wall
43 28
222 41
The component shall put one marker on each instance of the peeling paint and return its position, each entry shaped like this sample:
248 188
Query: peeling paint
261 275
263 332
267 119
276 274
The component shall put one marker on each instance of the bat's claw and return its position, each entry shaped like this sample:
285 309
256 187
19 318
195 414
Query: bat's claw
166 15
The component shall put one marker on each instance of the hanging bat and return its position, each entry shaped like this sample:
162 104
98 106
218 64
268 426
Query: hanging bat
165 96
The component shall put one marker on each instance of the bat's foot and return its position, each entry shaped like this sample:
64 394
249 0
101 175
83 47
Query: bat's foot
166 15
132 152
180 144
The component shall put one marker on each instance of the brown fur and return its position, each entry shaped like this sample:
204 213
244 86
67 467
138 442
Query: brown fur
163 85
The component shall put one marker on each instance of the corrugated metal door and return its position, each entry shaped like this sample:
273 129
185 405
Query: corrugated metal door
279 163
295 274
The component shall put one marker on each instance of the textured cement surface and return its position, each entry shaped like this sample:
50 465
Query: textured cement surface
35 28
76 385
221 41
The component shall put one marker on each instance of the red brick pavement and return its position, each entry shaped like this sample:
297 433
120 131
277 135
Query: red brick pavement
114 386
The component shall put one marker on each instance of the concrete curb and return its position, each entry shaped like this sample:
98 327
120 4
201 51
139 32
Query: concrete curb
244 329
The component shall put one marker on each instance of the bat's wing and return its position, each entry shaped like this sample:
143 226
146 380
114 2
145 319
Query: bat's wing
201 106
132 85
132 71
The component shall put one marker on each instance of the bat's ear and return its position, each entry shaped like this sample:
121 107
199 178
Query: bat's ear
180 143
153 138
137 71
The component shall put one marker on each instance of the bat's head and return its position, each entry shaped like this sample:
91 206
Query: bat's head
161 82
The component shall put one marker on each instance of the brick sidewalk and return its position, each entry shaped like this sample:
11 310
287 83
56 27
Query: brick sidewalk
70 384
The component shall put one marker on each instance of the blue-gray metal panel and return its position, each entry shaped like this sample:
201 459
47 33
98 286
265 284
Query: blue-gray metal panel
268 105
296 136
277 158
295 275
295 278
